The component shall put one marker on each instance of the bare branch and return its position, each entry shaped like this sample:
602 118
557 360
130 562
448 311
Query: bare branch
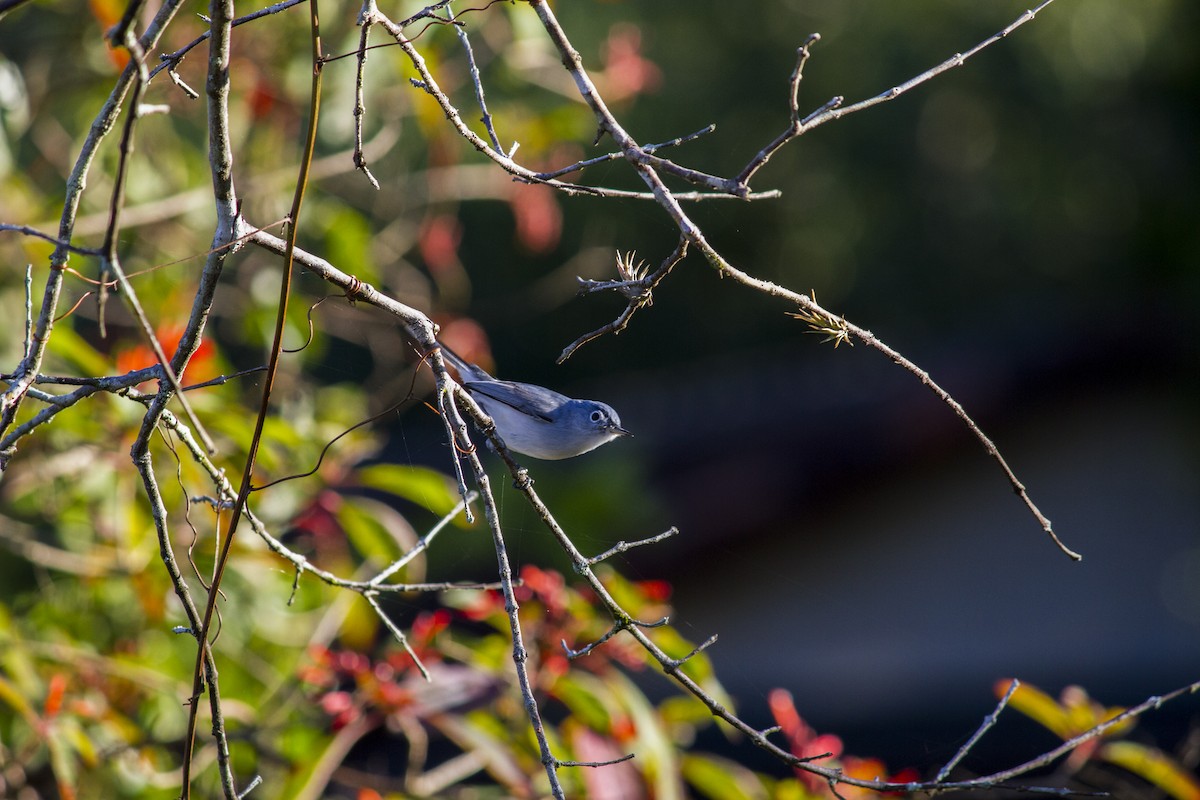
986 725
608 763
579 166
691 233
623 546
171 61
829 113
111 264
372 598
220 156
793 130
520 655
65 245
423 543
869 338
1149 704
360 108
477 82
636 285
101 126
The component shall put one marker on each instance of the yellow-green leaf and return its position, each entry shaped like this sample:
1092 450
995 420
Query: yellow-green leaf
368 535
77 353
1154 766
587 698
425 487
720 779
1040 707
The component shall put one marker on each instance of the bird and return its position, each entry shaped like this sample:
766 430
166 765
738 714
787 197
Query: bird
536 421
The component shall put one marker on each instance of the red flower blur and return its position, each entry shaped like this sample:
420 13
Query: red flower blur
201 367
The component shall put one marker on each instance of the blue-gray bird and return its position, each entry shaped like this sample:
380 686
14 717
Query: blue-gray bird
537 421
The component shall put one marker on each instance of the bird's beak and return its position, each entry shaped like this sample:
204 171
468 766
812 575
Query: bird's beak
619 431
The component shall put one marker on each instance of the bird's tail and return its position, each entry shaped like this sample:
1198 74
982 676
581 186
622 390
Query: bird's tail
466 370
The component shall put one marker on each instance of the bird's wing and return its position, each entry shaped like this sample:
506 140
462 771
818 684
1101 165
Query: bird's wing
531 400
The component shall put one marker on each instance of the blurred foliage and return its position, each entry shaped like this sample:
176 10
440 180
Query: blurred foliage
598 712
1075 714
92 680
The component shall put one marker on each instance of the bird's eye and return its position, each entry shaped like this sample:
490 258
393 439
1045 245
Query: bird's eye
597 416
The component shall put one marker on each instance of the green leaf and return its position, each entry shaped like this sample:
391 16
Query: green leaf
684 710
12 697
427 488
367 532
348 237
720 779
1040 707
588 699
77 353
656 753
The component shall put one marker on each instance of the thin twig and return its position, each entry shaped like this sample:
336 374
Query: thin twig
28 339
579 166
255 782
623 546
65 245
102 125
477 82
695 236
112 264
423 543
224 500
830 113
372 598
360 109
520 655
145 467
572 654
986 725
697 650
360 106
171 61
220 156
869 339
608 763
638 288
796 127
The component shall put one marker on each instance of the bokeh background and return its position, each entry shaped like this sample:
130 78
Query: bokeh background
1023 227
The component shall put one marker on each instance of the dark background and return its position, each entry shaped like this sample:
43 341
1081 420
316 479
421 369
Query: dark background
1024 228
